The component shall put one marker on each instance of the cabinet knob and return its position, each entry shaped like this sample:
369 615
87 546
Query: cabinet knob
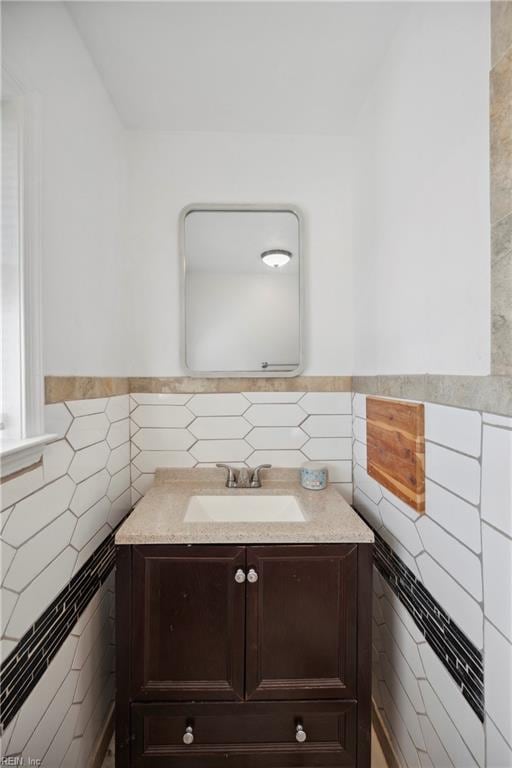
239 576
300 734
188 736
252 576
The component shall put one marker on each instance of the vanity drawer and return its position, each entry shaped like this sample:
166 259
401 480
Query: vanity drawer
245 735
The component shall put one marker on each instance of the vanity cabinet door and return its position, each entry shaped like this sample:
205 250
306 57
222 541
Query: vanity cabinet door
188 622
301 622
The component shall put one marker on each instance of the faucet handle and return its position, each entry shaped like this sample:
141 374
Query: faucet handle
231 479
255 476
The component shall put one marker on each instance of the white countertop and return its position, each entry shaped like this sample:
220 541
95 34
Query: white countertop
158 518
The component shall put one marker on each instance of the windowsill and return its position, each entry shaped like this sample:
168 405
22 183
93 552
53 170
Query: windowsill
16 455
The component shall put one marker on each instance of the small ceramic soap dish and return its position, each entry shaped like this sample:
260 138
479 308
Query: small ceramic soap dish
313 476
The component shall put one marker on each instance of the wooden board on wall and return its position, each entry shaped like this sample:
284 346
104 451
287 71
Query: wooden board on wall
395 434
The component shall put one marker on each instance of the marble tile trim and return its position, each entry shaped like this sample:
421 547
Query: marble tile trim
188 385
501 28
485 393
500 123
500 115
60 388
27 663
479 393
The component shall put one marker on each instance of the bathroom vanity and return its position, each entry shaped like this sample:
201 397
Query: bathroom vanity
241 640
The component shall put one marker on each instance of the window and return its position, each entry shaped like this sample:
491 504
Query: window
22 435
11 278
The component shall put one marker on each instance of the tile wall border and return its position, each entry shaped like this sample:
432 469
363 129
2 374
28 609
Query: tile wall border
60 388
500 125
189 385
478 393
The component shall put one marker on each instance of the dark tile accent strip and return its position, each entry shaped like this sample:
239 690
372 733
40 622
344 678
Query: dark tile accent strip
461 658
26 664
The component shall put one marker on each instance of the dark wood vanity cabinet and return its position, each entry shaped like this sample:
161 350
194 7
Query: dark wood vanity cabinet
257 656
301 635
188 628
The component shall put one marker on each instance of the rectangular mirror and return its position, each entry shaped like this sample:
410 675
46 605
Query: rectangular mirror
242 290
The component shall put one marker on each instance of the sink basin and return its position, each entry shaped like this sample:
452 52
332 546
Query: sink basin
243 509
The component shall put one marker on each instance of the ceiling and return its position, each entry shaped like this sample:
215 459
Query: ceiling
255 67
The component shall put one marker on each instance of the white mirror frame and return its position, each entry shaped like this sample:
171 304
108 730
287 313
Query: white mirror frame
237 207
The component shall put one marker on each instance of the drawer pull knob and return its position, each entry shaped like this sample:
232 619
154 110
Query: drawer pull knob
252 576
188 736
300 734
239 576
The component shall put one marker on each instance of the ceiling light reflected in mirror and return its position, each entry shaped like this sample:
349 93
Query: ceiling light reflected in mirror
276 257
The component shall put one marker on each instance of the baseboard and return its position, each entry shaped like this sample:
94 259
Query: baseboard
100 751
385 742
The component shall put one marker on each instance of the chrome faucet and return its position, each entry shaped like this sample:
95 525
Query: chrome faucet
245 477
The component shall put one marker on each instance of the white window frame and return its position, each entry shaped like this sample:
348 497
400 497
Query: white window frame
21 451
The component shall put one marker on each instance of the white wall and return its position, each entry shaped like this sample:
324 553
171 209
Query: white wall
421 233
166 171
421 249
84 286
419 299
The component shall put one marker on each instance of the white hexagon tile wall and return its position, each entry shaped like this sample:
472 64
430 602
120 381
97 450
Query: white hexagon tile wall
284 429
442 632
57 524
442 593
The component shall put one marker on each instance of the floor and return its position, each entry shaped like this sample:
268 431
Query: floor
109 761
378 759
